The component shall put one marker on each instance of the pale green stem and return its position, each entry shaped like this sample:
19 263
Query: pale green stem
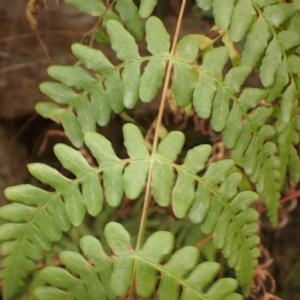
148 194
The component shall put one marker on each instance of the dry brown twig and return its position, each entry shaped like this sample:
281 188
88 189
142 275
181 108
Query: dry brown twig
31 10
262 277
48 135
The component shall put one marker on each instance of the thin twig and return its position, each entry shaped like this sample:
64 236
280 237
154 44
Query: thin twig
282 201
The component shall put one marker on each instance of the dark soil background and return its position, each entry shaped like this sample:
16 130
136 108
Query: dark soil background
26 137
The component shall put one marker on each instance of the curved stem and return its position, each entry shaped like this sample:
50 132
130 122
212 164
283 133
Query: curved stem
282 201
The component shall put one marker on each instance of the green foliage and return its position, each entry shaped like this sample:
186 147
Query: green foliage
259 127
180 268
228 215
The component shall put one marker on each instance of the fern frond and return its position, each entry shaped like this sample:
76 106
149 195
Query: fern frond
211 95
279 76
270 39
219 211
224 215
215 202
127 13
42 216
210 197
109 91
181 270
260 20
288 117
38 222
247 135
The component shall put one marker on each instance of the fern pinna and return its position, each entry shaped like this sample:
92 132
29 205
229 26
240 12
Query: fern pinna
225 211
260 137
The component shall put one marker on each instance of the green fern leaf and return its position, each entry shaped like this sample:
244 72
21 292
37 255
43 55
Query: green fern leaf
122 42
60 93
274 75
91 7
183 192
249 99
270 63
294 64
62 279
46 215
129 15
118 268
163 177
215 60
294 166
131 84
213 63
92 58
255 155
147 7
287 103
116 87
276 14
232 83
222 12
110 91
183 81
256 43
280 82
183 85
71 76
198 204
286 139
158 40
95 8
100 104
212 196
259 160
212 96
114 90
85 114
294 25
136 172
241 19
187 48
24 241
288 39
263 3
85 192
85 120
204 94
67 118
204 4
112 167
277 74
150 84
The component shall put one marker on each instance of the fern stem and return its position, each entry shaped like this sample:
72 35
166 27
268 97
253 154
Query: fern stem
289 198
203 241
154 147
156 135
